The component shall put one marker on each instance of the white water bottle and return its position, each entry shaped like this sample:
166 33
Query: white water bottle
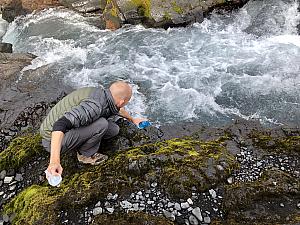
53 180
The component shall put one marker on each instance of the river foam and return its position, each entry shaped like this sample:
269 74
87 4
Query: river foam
244 64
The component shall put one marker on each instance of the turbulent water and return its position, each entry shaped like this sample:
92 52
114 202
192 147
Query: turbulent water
243 64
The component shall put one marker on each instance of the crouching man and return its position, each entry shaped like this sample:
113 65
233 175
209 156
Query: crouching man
81 120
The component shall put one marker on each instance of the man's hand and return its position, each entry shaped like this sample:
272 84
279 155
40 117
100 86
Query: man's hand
55 169
136 121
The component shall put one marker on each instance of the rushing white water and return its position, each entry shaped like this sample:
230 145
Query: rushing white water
244 64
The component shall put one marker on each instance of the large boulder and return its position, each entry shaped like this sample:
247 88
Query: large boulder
155 13
14 8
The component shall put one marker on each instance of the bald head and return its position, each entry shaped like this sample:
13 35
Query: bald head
121 91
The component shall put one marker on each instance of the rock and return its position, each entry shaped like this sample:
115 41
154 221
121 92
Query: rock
197 213
212 193
169 215
6 47
13 187
97 211
5 218
184 205
110 209
177 206
230 180
126 204
1 193
14 8
154 184
193 220
86 6
7 180
155 13
1 182
190 201
19 177
206 219
2 174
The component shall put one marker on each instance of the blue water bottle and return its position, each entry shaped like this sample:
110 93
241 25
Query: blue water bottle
144 124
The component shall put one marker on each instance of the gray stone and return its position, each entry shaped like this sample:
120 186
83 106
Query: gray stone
206 219
169 215
2 174
193 220
5 218
298 205
197 213
177 206
170 204
7 180
125 204
140 193
1 193
1 182
13 187
184 205
110 209
190 201
98 204
97 211
230 180
219 167
85 6
212 193
154 184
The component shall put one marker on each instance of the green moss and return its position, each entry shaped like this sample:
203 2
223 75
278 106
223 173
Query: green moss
276 144
144 7
20 150
32 205
177 8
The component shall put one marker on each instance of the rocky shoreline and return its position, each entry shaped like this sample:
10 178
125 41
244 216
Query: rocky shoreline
242 173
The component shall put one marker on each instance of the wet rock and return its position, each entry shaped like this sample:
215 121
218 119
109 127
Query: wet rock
6 47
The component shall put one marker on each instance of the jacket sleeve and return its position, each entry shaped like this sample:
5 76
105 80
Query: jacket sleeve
85 113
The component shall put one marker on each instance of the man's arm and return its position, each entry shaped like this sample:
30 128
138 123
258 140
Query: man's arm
125 114
54 166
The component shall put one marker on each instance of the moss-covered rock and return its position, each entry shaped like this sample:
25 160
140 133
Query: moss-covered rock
259 202
177 165
20 150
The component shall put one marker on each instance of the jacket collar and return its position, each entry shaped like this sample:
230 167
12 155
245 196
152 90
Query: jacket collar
111 104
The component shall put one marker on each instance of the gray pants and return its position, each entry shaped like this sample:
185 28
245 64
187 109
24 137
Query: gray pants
86 140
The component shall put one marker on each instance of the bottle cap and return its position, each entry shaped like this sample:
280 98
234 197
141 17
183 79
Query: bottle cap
53 180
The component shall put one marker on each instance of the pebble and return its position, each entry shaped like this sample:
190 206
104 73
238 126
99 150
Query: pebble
2 174
154 184
1 182
230 180
197 213
98 204
193 220
190 201
219 167
126 204
213 193
206 219
110 210
177 206
281 205
13 187
19 177
169 215
5 218
97 211
298 205
7 180
185 205
1 193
